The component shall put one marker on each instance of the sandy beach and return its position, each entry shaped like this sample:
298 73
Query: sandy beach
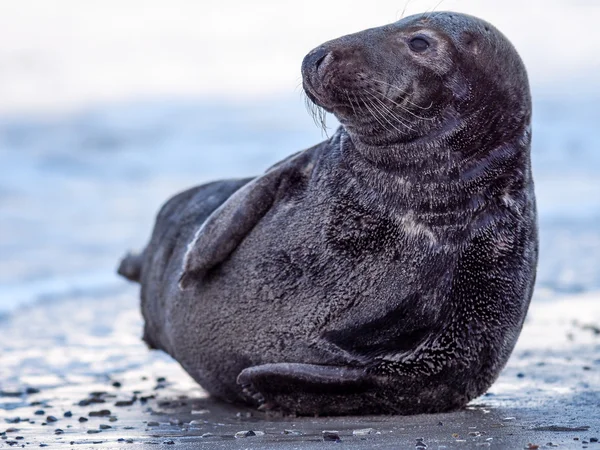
75 374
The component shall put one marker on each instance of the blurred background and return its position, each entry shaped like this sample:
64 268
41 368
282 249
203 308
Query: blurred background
109 108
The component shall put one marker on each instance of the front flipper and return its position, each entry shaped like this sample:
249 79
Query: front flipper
227 226
310 389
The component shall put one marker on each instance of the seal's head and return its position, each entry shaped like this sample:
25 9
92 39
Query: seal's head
419 79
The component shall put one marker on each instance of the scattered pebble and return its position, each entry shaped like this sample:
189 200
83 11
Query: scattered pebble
593 439
122 403
116 384
68 414
58 431
153 424
104 427
101 413
12 430
83 419
331 436
363 431
249 433
169 442
94 431
51 419
40 412
13 420
112 419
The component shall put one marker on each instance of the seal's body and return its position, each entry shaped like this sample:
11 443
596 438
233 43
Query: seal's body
386 270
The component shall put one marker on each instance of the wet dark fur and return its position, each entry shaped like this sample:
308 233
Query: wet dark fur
386 270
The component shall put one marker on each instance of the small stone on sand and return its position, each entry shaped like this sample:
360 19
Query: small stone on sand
331 435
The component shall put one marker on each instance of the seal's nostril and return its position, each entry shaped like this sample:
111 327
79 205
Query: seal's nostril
320 60
313 60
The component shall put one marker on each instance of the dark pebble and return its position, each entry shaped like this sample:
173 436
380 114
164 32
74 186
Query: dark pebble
83 419
129 441
117 384
68 414
105 427
243 434
94 431
58 431
13 420
12 430
331 436
101 413
19 438
161 379
40 412
32 390
51 419
112 419
10 394
169 442
124 403
594 439
153 424
43 445
520 375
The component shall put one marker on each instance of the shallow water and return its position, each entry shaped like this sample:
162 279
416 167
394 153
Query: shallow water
78 190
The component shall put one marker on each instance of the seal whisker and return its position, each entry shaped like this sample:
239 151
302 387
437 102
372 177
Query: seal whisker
403 92
404 108
386 109
382 113
374 116
317 113
350 101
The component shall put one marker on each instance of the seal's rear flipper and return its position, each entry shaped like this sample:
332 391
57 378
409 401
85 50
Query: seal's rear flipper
310 389
131 267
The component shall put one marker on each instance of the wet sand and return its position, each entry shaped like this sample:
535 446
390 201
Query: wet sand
74 373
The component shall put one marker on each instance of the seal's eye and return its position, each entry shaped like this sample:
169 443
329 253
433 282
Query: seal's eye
418 44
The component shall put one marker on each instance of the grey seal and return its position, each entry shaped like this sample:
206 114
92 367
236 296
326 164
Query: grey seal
387 269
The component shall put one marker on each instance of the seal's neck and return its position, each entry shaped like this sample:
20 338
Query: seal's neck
440 177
